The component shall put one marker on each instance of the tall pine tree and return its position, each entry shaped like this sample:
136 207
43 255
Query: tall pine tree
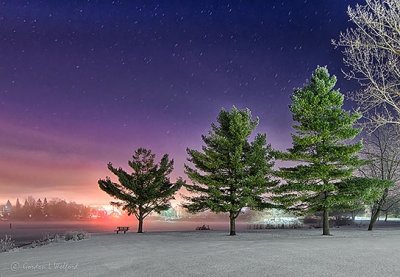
17 211
147 189
230 172
45 208
323 151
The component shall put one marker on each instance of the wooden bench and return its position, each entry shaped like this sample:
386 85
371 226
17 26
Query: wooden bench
122 229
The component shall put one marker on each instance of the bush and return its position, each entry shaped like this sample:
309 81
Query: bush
76 235
49 238
343 221
6 244
52 238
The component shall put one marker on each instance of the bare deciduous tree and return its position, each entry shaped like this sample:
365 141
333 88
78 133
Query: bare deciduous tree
372 53
392 203
382 149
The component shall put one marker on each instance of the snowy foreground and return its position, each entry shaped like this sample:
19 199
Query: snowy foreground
212 253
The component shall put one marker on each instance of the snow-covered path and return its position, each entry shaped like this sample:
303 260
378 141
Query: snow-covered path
203 253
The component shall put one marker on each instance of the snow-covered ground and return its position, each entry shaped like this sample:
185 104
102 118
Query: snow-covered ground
350 252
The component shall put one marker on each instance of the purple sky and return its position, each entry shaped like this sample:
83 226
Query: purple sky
83 83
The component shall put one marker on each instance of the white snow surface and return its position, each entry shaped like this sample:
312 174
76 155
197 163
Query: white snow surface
350 252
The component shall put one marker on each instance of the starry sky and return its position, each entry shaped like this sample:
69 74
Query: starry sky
83 83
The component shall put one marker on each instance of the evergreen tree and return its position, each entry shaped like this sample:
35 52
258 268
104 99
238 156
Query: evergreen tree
8 209
45 208
230 172
17 204
38 212
325 156
9 205
147 189
17 212
26 211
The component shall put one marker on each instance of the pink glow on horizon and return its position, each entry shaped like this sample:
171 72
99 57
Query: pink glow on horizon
68 165
37 164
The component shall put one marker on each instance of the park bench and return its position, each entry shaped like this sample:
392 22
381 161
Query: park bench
122 229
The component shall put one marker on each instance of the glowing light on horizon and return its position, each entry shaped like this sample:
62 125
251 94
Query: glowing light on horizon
109 209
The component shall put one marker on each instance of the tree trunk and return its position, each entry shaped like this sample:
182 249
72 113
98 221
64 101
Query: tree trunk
376 210
374 216
232 224
386 216
325 223
140 226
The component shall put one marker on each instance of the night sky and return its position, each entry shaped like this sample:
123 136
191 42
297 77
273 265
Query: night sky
83 83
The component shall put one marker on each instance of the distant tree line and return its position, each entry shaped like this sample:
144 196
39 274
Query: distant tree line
32 209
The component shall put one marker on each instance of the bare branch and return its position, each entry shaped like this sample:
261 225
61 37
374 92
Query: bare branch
372 54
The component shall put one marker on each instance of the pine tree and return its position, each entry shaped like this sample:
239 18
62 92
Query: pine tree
17 204
147 189
325 156
45 208
8 208
230 172
26 211
38 212
17 210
